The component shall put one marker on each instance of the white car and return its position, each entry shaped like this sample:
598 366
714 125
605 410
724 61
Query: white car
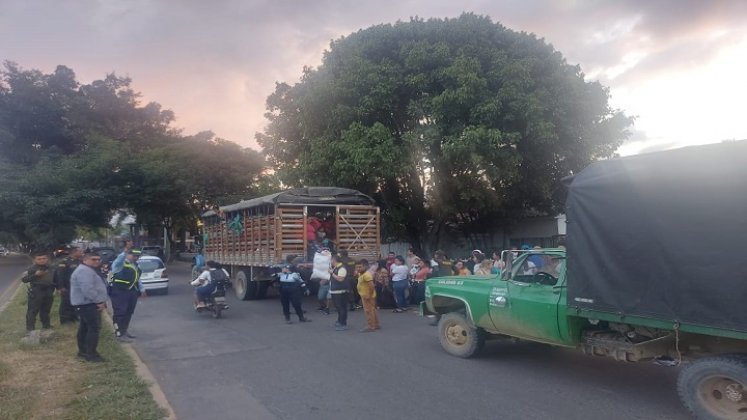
154 276
4 251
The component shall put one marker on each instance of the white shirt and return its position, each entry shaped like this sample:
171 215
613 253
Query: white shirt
203 279
399 272
531 269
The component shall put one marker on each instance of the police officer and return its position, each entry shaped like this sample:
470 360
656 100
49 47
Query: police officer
292 289
62 275
351 280
338 288
41 286
125 290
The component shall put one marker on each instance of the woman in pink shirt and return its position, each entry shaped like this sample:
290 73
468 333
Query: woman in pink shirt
417 291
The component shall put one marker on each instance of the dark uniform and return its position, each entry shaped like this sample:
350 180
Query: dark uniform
291 293
339 291
62 275
352 281
41 295
125 290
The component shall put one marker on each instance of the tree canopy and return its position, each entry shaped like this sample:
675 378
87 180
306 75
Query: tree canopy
453 122
71 154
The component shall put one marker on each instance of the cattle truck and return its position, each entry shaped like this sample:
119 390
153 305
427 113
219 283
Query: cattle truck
252 237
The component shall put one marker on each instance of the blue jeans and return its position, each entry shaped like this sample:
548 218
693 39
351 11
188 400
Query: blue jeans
399 293
323 293
204 292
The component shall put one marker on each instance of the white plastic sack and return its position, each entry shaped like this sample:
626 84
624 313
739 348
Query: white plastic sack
322 263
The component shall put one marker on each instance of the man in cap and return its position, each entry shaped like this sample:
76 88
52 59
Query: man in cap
88 295
126 288
292 288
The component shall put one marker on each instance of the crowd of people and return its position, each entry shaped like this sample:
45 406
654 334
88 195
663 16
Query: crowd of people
395 283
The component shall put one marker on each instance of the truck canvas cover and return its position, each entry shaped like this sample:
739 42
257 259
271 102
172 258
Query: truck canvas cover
308 195
662 235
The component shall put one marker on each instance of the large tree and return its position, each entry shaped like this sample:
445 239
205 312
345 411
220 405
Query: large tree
446 122
70 154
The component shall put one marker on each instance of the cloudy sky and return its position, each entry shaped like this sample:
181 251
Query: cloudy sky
679 65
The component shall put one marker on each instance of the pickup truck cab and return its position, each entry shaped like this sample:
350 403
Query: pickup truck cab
527 301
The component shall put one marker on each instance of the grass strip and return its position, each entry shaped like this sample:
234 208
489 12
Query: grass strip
49 382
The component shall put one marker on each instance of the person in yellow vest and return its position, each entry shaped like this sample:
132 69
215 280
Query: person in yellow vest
125 289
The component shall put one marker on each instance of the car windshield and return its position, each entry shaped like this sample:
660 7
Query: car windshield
150 265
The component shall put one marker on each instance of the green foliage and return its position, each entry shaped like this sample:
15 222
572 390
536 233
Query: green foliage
457 122
72 154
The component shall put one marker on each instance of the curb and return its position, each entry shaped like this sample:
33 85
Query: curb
9 293
146 375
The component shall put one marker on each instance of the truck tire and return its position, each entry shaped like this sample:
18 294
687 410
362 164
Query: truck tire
458 336
244 287
715 387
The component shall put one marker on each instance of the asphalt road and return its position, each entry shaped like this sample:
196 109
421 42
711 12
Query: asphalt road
251 365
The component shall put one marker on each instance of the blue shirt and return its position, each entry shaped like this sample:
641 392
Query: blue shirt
290 278
199 261
537 260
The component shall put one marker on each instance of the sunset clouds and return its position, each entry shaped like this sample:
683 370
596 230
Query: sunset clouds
677 65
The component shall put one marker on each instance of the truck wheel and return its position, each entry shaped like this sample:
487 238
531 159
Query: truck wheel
244 287
458 336
715 387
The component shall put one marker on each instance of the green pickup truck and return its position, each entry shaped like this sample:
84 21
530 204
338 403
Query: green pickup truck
655 269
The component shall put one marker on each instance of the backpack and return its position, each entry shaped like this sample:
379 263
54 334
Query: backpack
218 277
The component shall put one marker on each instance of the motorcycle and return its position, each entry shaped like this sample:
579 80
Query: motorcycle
216 302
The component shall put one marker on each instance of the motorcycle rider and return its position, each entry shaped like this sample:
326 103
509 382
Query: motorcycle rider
205 284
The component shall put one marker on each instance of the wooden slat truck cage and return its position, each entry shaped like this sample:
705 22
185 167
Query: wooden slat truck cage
252 237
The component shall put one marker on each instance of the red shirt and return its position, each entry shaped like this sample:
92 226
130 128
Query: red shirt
422 274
